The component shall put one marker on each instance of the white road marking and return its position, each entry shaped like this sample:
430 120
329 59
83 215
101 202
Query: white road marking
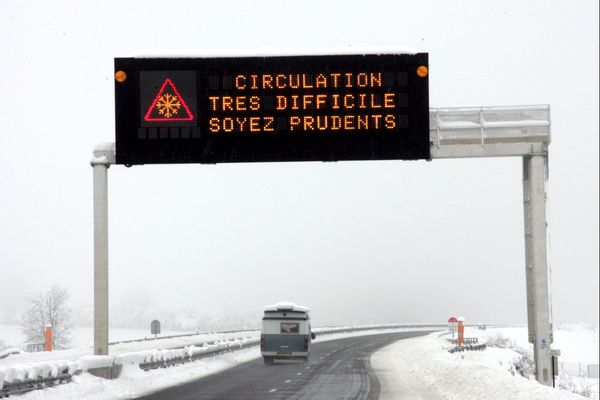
288 381
272 390
299 373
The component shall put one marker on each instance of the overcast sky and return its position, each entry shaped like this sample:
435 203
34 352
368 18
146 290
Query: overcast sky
357 242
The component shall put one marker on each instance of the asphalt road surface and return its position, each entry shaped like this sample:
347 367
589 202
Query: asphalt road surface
337 370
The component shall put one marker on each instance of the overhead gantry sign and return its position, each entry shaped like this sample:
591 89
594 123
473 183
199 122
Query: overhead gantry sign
316 108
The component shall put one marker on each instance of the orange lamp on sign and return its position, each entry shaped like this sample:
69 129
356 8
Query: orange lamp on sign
120 76
422 71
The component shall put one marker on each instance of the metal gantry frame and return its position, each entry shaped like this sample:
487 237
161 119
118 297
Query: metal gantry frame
465 132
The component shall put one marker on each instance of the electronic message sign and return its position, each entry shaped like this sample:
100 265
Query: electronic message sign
284 108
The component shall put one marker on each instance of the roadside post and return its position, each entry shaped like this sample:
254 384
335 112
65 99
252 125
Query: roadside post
104 157
554 353
48 338
461 331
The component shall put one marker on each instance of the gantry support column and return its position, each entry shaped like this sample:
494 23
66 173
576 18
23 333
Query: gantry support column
104 156
539 316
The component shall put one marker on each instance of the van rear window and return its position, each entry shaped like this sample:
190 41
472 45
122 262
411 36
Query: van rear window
290 327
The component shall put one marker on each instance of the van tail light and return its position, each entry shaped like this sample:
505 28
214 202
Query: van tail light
306 344
262 344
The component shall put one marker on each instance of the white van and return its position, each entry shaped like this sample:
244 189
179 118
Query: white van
285 333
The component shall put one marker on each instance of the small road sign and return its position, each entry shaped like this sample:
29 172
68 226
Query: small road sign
155 327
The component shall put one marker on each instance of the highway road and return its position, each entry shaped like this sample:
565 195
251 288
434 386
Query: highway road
338 369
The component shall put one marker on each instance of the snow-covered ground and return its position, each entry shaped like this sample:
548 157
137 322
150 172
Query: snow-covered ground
418 368
422 368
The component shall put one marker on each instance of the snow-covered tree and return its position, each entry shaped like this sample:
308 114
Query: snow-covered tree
48 308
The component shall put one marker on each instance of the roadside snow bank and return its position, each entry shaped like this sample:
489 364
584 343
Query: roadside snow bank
91 362
422 368
135 382
578 344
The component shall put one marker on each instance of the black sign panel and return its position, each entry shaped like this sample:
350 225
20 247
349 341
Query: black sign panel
258 109
155 327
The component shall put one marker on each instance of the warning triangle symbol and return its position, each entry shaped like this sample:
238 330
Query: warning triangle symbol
168 105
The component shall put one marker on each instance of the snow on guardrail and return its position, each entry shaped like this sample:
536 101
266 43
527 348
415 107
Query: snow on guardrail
26 377
22 378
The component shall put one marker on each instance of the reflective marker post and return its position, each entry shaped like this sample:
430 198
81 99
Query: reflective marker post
48 338
104 156
461 332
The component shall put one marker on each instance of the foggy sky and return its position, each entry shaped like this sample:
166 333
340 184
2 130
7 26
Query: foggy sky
357 242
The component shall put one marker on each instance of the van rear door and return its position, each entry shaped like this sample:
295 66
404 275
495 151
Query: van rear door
289 338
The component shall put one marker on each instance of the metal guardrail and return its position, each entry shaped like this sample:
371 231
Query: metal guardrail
469 344
35 347
192 356
28 385
488 125
582 370
469 347
181 335
325 330
465 132
9 352
466 341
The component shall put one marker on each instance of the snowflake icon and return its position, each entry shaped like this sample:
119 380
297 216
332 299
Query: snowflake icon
168 105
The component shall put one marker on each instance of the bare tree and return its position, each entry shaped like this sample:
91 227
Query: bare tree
48 308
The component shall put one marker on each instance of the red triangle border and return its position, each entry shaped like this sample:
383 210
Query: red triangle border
183 103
